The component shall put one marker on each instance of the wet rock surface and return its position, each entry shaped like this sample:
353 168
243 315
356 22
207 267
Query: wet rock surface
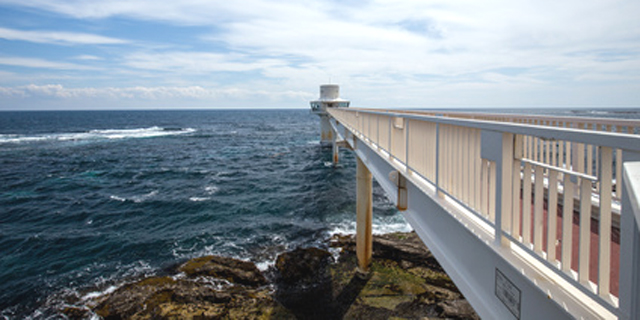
303 276
405 282
208 287
232 270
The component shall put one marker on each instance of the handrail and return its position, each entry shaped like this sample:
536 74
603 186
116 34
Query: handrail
561 170
515 116
617 140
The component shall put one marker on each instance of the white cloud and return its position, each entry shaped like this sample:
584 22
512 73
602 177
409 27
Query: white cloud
197 62
87 57
57 37
147 93
492 51
40 63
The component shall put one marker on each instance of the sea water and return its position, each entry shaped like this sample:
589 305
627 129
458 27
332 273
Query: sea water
90 200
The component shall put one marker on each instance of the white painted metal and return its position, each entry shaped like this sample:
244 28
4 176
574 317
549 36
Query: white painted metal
484 203
492 191
585 231
504 189
516 213
604 260
552 216
329 98
477 170
630 238
526 204
567 223
453 144
632 183
538 221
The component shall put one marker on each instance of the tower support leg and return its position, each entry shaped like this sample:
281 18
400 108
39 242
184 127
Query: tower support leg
326 132
364 217
336 149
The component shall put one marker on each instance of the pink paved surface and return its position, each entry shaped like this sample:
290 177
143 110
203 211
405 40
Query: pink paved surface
594 246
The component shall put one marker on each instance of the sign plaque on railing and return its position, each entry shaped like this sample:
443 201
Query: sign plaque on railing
508 293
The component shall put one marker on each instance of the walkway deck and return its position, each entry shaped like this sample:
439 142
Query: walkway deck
477 188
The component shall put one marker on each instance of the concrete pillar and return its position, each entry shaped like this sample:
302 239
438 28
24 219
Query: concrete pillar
326 132
364 217
336 149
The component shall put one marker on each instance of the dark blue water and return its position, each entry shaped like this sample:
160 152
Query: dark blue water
91 199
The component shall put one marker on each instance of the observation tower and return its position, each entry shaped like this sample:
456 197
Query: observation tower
329 98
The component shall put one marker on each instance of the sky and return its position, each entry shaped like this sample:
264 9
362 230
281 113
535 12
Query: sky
154 54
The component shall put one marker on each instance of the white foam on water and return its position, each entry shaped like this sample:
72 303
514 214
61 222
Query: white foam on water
144 197
97 294
264 265
94 135
385 228
211 189
199 199
136 199
14 138
379 226
113 197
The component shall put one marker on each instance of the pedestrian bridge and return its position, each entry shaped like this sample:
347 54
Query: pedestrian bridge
532 217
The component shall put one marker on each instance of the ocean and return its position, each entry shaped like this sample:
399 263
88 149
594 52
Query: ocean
90 200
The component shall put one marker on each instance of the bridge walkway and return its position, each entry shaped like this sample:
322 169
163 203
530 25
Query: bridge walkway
477 188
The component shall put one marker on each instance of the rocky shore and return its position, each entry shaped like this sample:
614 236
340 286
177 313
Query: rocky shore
405 282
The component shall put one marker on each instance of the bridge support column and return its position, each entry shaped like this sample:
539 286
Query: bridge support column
326 133
364 216
336 149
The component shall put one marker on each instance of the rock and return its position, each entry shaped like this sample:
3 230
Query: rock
150 295
457 309
405 248
405 282
167 298
303 281
232 270
74 313
303 266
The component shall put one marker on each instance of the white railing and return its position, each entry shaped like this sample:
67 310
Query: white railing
554 152
568 166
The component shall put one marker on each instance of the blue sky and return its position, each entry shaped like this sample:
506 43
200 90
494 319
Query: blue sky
137 54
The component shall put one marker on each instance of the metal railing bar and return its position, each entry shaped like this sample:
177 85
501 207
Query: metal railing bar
566 171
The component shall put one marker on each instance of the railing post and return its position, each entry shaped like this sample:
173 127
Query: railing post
364 216
504 189
498 147
438 155
630 240
518 149
406 146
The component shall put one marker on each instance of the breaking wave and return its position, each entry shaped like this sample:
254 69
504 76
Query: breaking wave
95 135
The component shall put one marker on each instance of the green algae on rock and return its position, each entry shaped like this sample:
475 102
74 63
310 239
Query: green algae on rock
405 282
232 270
188 297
